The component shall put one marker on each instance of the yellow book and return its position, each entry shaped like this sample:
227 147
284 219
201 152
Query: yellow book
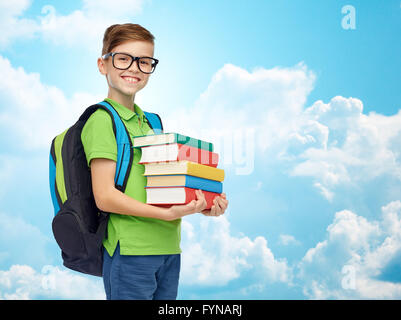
184 167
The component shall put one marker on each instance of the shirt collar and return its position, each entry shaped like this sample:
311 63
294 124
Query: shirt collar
126 113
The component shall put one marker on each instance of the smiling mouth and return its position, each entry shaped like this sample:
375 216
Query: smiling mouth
131 79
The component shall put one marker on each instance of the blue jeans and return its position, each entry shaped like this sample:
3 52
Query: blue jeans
145 277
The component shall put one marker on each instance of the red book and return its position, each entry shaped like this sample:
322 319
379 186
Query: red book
177 152
168 196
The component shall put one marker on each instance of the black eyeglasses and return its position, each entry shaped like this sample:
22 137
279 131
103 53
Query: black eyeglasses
123 61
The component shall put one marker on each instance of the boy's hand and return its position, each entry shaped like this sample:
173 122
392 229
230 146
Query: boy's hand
218 208
178 211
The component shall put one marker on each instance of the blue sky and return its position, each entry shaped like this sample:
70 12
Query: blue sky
314 188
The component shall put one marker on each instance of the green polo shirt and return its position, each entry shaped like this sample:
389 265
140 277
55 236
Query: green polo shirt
136 235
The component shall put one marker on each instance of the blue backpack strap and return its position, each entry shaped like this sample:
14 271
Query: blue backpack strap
124 144
124 148
154 122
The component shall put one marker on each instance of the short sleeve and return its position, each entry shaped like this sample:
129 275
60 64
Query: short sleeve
98 138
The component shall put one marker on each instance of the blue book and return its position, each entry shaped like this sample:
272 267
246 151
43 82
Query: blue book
182 180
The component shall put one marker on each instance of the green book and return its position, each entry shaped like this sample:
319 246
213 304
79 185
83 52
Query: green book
166 138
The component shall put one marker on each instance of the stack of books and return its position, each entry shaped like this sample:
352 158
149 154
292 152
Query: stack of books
176 165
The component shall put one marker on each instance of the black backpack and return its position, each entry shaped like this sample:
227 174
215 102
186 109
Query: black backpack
78 225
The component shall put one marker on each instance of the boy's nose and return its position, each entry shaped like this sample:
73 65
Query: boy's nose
134 67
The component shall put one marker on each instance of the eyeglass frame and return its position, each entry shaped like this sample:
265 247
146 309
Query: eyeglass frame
112 54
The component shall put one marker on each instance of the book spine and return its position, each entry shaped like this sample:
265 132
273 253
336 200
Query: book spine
202 156
179 138
189 196
203 184
206 172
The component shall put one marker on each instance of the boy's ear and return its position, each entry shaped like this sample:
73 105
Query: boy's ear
102 67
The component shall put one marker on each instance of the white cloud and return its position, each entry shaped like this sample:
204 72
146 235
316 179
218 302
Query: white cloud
22 282
249 113
325 192
356 251
12 26
24 248
287 239
34 111
262 99
8 168
21 241
212 256
82 26
359 147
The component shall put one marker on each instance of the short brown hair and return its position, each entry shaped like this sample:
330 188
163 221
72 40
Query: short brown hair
120 33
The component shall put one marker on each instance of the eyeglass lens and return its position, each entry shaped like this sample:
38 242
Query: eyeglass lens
124 61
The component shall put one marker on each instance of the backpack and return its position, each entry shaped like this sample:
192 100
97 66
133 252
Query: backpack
78 225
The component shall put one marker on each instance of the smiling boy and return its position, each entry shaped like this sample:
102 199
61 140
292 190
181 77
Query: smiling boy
142 247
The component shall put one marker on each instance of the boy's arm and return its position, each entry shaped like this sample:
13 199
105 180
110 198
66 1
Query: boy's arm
110 199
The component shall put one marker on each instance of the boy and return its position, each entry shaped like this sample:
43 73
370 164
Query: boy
142 247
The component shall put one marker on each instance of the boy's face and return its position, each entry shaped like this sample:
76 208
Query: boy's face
130 81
